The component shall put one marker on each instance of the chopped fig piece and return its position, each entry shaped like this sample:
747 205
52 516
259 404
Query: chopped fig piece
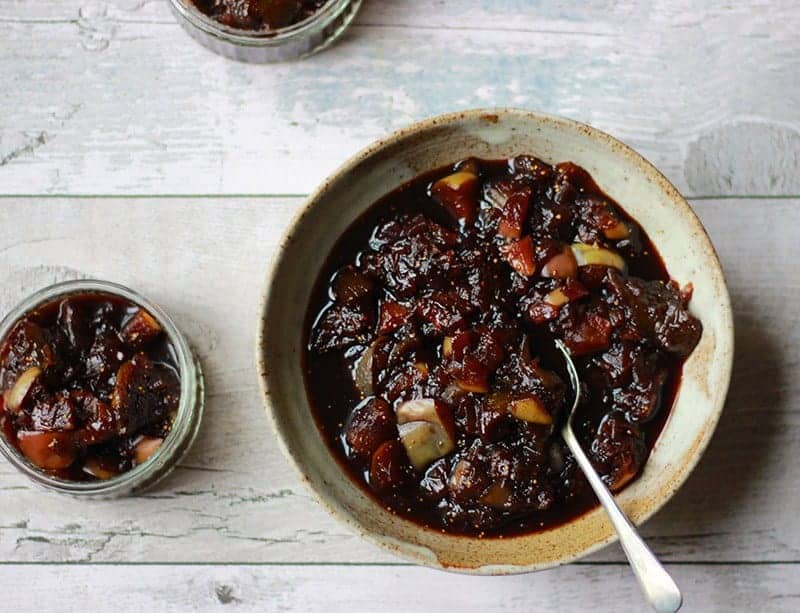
458 193
591 334
75 324
619 447
48 450
589 255
561 266
532 410
141 330
144 393
28 347
519 255
94 467
351 285
16 396
145 448
618 231
392 316
101 423
389 466
55 413
515 212
443 312
371 423
424 442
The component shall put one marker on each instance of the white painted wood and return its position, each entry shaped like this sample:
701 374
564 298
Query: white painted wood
112 97
236 500
338 589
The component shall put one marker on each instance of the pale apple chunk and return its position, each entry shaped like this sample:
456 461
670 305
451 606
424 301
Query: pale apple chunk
532 410
586 255
15 397
426 430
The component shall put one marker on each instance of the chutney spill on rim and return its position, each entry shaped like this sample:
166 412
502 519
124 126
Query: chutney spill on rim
90 386
430 364
259 14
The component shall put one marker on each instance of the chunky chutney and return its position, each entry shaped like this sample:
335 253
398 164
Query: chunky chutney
90 386
430 362
259 14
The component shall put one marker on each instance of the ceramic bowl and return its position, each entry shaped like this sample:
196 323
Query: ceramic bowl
501 133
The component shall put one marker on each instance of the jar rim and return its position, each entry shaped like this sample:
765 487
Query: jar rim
259 38
189 404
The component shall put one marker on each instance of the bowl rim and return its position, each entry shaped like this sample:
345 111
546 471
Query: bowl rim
490 114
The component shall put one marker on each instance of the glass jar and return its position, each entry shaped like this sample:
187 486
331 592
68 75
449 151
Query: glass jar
186 422
263 46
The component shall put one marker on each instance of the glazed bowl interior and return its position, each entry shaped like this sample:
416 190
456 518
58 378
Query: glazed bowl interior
641 190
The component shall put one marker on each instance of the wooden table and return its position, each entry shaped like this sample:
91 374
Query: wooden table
127 152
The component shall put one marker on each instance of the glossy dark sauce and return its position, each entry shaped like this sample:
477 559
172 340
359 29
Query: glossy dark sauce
329 378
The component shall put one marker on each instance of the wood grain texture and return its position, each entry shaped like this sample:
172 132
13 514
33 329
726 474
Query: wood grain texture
235 499
112 97
610 589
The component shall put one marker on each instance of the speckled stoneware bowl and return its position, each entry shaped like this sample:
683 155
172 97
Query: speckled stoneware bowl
622 174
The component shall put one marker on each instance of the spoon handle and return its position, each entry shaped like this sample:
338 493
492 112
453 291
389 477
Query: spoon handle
660 589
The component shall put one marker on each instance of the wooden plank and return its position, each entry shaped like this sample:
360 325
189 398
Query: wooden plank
723 588
113 98
236 500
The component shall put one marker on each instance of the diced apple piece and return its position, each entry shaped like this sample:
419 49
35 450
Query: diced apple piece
422 368
586 255
141 329
519 255
424 442
478 387
97 470
426 429
48 450
561 266
618 231
145 448
363 373
447 346
15 397
556 298
532 410
425 409
458 193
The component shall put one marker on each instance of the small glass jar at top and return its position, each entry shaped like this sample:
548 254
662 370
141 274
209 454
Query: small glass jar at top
292 42
186 420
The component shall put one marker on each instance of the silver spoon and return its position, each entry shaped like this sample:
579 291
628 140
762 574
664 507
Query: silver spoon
659 588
